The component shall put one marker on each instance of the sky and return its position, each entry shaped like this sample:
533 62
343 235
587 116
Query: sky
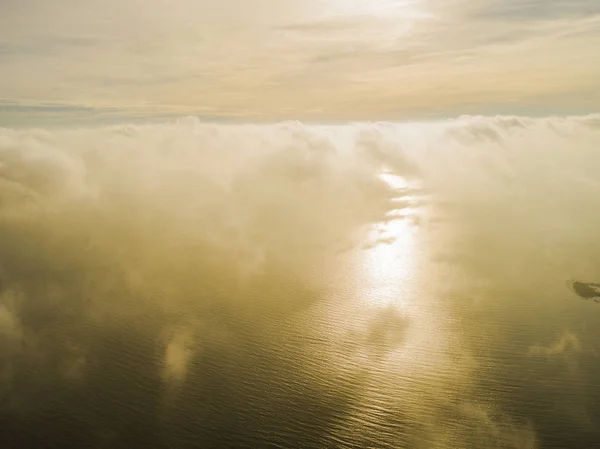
64 61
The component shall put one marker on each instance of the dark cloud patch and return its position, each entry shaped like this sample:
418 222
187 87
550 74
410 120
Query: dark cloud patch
534 10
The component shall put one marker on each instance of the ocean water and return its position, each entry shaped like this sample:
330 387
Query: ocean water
369 285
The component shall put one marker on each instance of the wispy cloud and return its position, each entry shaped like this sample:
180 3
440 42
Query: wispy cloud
285 59
566 343
536 10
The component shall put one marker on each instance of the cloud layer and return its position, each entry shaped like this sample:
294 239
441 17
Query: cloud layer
198 250
324 60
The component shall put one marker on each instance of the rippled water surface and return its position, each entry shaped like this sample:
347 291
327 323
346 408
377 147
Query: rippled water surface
371 285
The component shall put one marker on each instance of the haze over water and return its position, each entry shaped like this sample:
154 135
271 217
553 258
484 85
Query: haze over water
364 285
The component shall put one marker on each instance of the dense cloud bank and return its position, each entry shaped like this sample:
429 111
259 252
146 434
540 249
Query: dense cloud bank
174 242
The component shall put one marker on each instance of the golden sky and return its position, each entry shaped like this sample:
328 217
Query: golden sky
291 59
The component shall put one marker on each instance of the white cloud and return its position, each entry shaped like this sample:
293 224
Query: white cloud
129 223
179 349
566 343
11 337
9 326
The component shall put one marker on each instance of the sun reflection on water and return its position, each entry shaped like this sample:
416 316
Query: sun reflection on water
391 325
399 282
389 257
389 263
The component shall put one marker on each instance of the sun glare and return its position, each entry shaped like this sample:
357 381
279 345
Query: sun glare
381 8
394 181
